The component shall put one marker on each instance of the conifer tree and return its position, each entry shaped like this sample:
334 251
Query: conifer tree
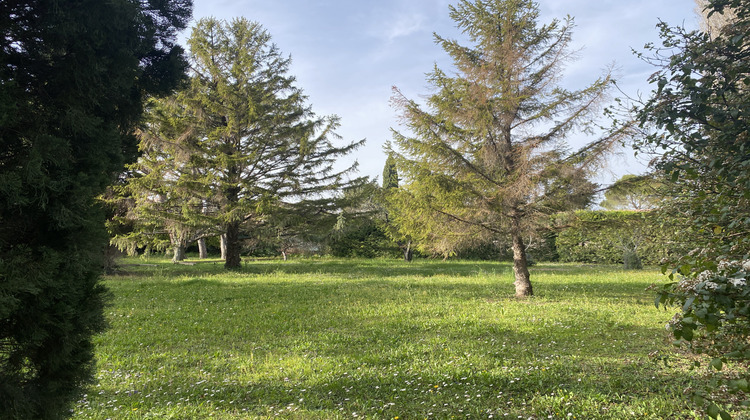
390 173
72 78
486 155
169 206
265 148
396 226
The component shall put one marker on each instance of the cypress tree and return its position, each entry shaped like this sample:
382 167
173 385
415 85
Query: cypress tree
72 77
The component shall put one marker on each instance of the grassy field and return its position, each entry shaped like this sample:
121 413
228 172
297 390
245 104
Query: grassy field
345 339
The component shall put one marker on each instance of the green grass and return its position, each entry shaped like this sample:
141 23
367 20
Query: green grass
343 339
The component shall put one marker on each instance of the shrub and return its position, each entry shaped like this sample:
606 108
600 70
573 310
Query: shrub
714 319
631 260
633 238
365 239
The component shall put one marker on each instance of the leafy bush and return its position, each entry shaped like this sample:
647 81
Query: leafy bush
714 320
365 239
615 237
631 260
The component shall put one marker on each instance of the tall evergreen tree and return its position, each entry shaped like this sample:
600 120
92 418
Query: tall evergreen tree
487 155
72 77
396 226
266 148
390 173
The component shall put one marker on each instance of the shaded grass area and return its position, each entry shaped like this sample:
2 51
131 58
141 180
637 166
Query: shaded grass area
342 339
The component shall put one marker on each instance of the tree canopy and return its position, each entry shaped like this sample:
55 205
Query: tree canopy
633 192
699 115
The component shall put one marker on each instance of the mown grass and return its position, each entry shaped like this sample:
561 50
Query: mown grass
343 339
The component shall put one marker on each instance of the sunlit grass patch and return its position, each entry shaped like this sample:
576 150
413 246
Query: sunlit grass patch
329 339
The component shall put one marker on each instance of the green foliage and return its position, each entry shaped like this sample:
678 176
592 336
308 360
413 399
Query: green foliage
390 174
714 321
166 203
266 149
362 239
631 260
633 192
237 151
486 155
72 78
615 237
699 113
363 225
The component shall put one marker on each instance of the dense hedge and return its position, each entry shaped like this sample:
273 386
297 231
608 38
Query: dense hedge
366 239
605 236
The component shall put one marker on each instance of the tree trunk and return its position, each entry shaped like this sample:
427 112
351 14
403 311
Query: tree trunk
233 259
408 253
179 252
520 265
283 254
223 240
202 251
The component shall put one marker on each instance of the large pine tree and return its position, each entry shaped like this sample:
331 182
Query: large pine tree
72 78
486 155
265 149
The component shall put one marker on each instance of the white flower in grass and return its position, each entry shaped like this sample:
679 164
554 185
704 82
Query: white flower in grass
746 266
711 285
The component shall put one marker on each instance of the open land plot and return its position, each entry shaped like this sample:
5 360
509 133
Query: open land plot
379 339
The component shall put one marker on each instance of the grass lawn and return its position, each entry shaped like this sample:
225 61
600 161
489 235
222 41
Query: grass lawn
344 339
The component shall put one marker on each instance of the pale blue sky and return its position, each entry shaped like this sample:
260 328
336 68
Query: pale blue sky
347 54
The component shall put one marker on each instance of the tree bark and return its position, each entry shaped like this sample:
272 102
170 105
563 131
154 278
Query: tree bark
233 259
223 241
520 265
178 253
202 251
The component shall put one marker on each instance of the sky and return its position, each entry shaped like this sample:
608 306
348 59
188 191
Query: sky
348 54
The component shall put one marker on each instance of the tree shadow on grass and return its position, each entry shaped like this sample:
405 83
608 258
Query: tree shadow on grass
376 316
583 280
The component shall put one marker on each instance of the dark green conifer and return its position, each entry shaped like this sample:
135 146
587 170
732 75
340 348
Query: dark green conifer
72 78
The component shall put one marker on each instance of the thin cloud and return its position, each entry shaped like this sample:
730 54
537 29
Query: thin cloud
404 25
